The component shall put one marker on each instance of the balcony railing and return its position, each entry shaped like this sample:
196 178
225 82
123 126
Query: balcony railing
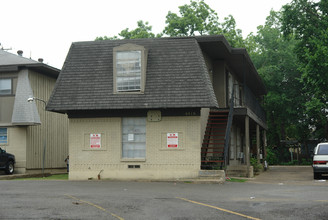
250 101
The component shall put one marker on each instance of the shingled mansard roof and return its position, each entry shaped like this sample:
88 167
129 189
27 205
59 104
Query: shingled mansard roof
176 76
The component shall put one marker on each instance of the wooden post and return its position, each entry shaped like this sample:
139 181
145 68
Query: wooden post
258 144
247 144
264 144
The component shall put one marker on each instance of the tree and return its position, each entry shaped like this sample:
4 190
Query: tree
277 64
107 38
142 31
308 21
231 32
197 18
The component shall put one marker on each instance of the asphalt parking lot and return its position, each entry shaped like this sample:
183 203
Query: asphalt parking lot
277 194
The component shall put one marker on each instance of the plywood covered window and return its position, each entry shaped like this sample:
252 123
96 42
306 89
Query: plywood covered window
134 138
129 67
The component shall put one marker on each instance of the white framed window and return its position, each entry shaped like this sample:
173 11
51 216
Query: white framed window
134 138
3 136
129 68
5 87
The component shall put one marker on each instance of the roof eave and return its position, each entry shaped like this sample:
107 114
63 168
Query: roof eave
40 67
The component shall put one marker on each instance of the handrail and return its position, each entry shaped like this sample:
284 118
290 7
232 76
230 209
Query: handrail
252 103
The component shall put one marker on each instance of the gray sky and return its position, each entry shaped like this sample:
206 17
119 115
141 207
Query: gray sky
46 28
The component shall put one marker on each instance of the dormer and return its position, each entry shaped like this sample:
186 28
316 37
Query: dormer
129 69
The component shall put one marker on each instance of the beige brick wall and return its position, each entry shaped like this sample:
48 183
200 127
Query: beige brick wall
160 162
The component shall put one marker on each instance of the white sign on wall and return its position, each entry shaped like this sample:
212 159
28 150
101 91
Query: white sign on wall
172 140
130 137
95 141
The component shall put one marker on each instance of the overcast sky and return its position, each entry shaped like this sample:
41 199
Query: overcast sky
46 28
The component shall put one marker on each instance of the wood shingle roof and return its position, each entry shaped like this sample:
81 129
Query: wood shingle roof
176 77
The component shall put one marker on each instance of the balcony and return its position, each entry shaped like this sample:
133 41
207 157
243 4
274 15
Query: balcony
248 104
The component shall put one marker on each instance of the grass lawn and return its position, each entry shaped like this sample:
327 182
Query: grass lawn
52 177
236 180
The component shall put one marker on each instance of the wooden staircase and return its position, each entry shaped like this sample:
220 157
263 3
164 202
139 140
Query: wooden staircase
212 150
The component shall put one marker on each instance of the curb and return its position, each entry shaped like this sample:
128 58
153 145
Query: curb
191 181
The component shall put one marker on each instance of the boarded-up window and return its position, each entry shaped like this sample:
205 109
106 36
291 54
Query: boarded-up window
134 138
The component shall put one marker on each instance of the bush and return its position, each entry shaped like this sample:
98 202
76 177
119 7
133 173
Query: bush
256 166
306 162
271 157
296 162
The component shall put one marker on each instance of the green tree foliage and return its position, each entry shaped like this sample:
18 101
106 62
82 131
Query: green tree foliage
107 38
142 31
231 32
277 64
197 18
308 22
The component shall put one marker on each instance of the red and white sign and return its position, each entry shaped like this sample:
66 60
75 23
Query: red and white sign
95 141
172 140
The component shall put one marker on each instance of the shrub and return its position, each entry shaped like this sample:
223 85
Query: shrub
256 166
271 156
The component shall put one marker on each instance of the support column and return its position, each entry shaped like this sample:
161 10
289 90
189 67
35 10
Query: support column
247 144
258 141
264 144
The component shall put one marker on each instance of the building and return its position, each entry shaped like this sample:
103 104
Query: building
38 139
160 108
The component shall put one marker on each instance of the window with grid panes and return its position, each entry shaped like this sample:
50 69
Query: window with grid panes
128 71
129 68
134 138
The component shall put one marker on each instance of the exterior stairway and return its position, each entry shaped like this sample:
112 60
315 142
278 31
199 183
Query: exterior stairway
212 150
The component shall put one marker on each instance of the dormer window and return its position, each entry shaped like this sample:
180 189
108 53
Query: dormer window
129 66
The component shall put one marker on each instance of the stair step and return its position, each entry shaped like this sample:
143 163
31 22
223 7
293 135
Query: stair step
217 129
212 144
212 148
215 132
211 173
220 111
217 141
212 135
212 161
220 152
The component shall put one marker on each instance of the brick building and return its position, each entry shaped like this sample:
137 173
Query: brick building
160 108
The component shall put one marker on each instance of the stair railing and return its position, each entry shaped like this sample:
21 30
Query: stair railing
228 130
